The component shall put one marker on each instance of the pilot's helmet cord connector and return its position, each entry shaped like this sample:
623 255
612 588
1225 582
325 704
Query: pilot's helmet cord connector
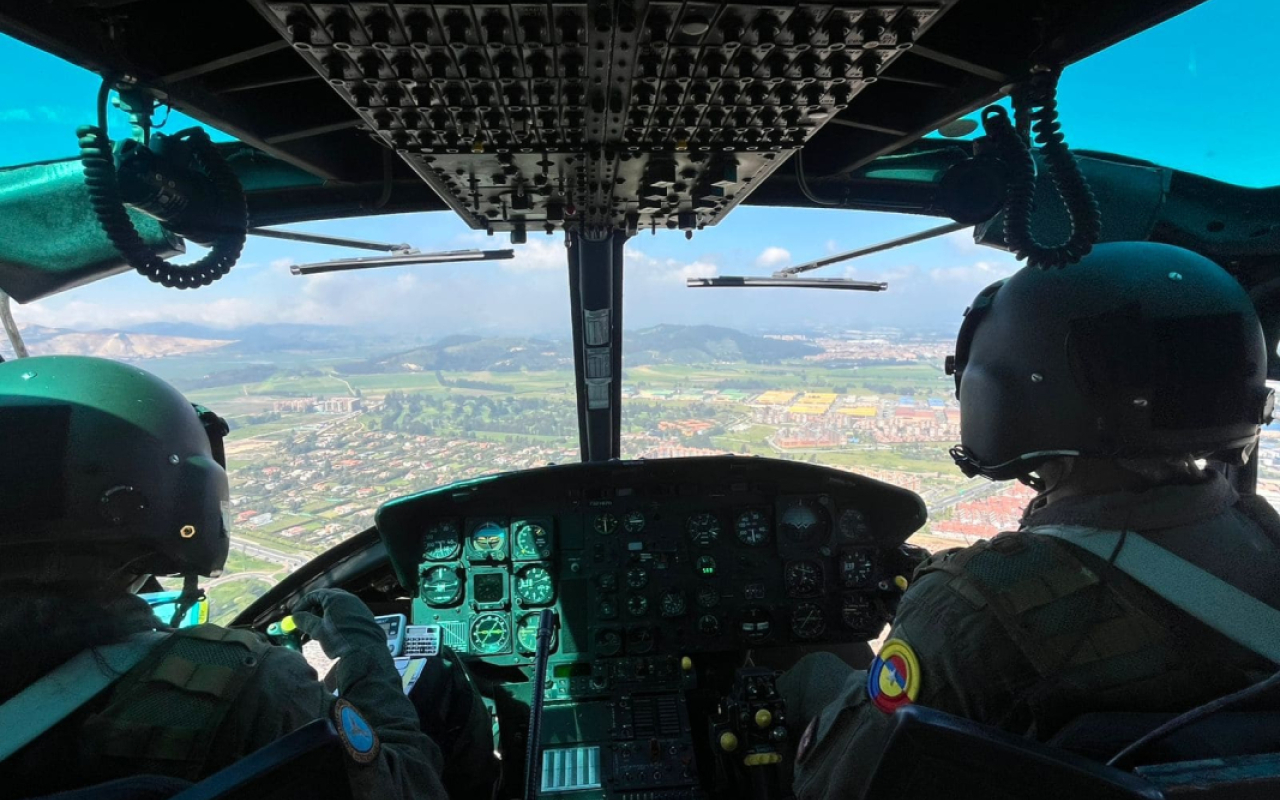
1035 108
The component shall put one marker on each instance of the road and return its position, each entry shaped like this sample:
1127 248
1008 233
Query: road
984 489
290 561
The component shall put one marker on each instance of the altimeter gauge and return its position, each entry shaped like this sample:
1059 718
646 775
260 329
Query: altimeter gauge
440 586
534 586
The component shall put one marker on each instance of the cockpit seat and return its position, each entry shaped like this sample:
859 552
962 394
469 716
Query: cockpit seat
308 763
1099 736
930 754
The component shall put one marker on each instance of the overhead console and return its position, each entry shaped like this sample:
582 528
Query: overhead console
598 116
643 558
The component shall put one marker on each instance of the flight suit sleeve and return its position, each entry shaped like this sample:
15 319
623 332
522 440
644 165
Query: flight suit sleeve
285 694
961 662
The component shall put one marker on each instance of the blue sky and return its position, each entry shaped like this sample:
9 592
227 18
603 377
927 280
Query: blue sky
1188 94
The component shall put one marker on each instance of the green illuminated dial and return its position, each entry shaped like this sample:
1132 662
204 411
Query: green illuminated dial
704 529
534 586
440 586
637 605
440 542
490 633
532 542
706 566
527 634
606 524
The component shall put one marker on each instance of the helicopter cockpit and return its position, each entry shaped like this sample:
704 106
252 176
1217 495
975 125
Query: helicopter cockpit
626 619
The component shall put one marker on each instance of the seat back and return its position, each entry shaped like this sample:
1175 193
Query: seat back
930 754
1099 736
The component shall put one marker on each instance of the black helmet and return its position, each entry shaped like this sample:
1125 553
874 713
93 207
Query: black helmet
1139 350
105 456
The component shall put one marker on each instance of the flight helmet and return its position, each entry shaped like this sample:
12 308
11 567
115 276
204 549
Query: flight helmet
1139 350
105 458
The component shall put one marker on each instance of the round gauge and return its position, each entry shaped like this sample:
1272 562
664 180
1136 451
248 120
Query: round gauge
639 640
489 540
605 524
490 633
606 608
756 624
532 541
608 642
527 634
853 525
704 528
803 522
672 604
440 542
856 612
855 569
637 605
706 567
752 528
708 597
637 578
807 621
607 581
803 578
534 586
440 586
633 522
709 625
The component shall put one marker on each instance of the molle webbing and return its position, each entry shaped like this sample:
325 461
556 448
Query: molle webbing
167 711
1057 611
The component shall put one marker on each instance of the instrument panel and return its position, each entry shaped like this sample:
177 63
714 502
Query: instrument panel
646 559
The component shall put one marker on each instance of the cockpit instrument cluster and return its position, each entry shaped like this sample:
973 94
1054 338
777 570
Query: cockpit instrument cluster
640 559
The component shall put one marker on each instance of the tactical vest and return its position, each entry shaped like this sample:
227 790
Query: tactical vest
164 715
1094 638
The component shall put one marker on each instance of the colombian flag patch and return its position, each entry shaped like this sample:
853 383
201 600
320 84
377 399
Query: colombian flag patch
894 678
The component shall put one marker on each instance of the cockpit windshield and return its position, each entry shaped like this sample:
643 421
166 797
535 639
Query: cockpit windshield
345 390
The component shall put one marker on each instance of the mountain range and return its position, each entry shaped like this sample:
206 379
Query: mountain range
678 344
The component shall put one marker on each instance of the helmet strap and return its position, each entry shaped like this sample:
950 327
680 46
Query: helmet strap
191 594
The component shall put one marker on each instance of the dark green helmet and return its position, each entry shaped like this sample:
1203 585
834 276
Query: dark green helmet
1139 350
105 456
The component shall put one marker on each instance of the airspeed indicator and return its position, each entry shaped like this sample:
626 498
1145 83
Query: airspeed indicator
752 528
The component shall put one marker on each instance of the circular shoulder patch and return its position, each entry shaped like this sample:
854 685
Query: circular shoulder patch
894 678
356 734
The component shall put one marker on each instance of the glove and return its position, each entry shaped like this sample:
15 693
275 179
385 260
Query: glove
343 624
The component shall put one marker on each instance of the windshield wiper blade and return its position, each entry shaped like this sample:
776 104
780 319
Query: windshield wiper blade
337 241
911 238
402 259
739 281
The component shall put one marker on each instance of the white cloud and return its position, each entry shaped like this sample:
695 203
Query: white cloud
281 263
14 115
962 241
984 272
641 266
538 255
774 257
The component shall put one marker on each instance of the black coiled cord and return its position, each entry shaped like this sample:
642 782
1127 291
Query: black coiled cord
1036 107
104 194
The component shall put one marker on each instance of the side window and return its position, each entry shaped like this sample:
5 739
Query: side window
1269 459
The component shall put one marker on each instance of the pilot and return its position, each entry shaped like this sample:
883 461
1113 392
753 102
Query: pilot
108 476
1102 385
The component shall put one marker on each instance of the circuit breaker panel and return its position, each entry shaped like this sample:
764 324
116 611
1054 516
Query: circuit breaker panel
598 115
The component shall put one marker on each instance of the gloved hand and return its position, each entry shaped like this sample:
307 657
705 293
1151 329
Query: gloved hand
344 624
